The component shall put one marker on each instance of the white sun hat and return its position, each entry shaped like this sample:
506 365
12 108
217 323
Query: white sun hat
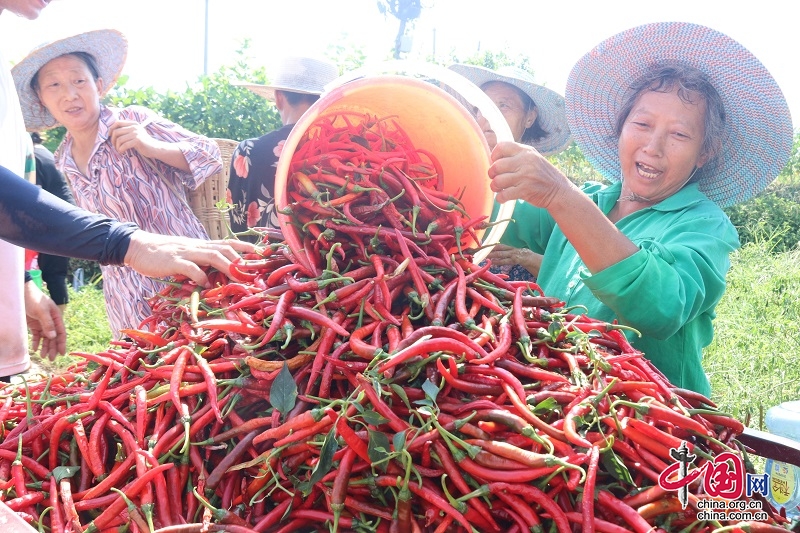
297 74
109 48
549 104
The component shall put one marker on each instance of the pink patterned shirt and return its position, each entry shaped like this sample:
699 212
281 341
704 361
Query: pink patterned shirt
124 186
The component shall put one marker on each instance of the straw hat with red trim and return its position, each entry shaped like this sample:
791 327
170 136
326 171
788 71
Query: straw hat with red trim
305 75
758 135
109 49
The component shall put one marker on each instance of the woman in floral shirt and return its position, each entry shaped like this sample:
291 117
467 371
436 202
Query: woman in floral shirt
298 84
129 164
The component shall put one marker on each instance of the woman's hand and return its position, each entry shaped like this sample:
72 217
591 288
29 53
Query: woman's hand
504 255
160 256
131 135
45 323
519 172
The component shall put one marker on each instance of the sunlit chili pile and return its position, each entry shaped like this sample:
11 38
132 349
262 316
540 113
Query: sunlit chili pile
364 376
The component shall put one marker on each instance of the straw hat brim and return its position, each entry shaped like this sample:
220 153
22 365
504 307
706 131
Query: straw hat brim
109 48
549 104
268 91
758 127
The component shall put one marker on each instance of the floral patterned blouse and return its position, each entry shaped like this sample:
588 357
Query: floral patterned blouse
252 181
126 187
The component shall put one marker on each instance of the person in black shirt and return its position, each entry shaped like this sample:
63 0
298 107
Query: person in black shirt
37 220
54 267
299 83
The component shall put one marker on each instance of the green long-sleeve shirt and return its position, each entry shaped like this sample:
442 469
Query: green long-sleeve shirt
668 290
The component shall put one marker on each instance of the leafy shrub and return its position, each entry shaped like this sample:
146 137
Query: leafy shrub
772 216
575 166
212 106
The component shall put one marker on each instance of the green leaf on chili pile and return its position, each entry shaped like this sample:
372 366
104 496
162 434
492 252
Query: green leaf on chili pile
283 393
547 405
373 418
397 389
399 441
379 448
324 464
64 472
616 467
430 389
360 140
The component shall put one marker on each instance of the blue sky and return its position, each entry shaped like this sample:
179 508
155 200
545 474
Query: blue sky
167 36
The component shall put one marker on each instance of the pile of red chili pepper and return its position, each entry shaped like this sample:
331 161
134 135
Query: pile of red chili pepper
383 382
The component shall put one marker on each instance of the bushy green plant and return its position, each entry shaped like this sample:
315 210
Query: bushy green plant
752 361
791 172
573 163
213 106
86 324
773 215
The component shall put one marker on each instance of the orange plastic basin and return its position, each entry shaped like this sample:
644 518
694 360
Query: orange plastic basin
432 119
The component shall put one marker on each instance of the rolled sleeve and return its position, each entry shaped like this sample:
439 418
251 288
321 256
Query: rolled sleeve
204 160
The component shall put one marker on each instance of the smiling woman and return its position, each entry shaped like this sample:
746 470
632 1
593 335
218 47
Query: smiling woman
683 120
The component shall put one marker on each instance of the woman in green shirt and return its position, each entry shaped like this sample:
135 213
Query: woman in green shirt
683 121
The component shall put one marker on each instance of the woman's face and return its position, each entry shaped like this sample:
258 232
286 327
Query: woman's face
508 100
29 9
69 91
661 144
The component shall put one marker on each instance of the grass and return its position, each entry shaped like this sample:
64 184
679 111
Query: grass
752 362
87 326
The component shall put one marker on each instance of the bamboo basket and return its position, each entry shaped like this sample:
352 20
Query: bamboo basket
204 199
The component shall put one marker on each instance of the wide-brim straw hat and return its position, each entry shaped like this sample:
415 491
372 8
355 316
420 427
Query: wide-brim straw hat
549 104
297 74
758 127
109 49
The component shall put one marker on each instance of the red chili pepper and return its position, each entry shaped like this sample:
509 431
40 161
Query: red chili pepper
454 473
350 437
95 459
587 501
464 386
56 517
112 479
625 512
177 377
570 424
523 410
429 346
428 495
70 512
118 503
304 420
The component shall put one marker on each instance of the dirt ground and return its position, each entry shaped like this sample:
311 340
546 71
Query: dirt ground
37 370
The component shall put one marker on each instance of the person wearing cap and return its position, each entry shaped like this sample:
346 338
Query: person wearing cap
683 121
129 164
299 82
536 117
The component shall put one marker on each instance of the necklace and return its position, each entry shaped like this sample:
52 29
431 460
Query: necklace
633 197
